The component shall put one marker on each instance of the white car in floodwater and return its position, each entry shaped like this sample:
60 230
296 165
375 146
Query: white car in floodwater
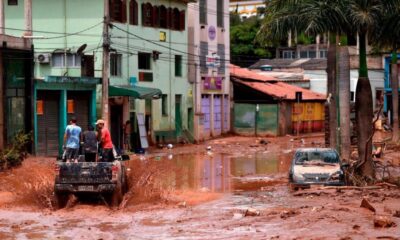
316 166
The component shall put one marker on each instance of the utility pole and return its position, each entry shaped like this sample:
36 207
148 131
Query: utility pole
28 17
105 114
2 25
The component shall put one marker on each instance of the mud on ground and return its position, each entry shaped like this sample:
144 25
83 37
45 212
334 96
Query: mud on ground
238 190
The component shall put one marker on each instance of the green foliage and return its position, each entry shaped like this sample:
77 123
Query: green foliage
16 152
243 34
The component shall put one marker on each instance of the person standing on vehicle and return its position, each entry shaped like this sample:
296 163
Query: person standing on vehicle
72 137
127 135
90 144
106 144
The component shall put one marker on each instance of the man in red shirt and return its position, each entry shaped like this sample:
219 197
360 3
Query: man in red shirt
105 142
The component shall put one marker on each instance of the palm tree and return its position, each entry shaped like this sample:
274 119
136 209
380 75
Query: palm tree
364 17
336 16
387 35
314 17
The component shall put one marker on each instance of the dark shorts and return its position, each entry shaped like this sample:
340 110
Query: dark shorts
107 155
90 157
127 139
71 153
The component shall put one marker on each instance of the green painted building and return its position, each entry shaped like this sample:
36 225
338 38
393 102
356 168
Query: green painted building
149 45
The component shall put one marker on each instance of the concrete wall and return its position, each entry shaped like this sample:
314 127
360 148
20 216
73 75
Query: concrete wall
318 81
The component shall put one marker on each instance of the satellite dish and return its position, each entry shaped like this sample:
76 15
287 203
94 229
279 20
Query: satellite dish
81 49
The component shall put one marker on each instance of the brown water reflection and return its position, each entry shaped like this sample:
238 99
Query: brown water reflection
219 172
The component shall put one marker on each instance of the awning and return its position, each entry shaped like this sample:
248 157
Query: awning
134 91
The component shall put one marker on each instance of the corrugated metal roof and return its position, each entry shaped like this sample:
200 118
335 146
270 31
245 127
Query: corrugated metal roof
243 73
304 63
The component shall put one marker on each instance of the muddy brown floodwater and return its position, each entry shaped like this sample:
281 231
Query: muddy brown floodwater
238 190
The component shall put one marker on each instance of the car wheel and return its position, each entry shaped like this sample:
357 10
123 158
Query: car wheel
61 200
116 196
293 187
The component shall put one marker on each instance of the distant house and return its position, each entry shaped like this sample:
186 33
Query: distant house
265 106
314 71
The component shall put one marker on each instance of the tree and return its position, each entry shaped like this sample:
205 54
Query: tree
336 16
387 35
243 46
312 18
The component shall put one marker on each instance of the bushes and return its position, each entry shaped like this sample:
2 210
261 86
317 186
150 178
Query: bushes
16 152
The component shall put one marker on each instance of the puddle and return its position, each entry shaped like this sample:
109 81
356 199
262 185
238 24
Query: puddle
220 173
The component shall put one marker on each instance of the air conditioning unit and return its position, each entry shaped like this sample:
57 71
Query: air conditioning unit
43 58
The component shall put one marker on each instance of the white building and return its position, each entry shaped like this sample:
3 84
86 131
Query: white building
208 30
246 8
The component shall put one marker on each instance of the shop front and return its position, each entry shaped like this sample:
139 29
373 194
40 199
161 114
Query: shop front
57 100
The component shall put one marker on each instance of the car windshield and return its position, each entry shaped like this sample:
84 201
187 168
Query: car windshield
317 157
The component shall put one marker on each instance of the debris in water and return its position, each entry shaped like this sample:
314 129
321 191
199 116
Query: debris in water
251 212
367 205
383 222
396 214
170 146
209 148
182 204
237 216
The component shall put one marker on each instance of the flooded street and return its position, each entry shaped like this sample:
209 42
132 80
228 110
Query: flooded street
238 190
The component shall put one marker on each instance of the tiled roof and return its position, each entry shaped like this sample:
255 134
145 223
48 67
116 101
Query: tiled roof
270 85
282 90
243 73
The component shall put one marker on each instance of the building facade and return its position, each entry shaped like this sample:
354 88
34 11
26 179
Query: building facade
247 8
209 57
148 44
15 87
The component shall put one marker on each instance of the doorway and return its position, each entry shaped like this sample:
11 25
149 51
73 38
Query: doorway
116 127
48 115
178 115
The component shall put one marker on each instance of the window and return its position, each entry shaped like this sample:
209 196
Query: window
133 12
176 17
203 11
312 54
203 57
73 60
117 10
178 66
164 104
323 53
220 13
182 20
115 64
352 96
156 17
12 2
144 61
57 59
288 54
221 54
147 14
163 17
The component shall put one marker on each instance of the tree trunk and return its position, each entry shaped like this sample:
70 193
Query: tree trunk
364 114
331 70
344 98
395 97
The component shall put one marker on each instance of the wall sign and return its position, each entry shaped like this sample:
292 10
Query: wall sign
39 107
212 83
70 106
212 33
163 36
